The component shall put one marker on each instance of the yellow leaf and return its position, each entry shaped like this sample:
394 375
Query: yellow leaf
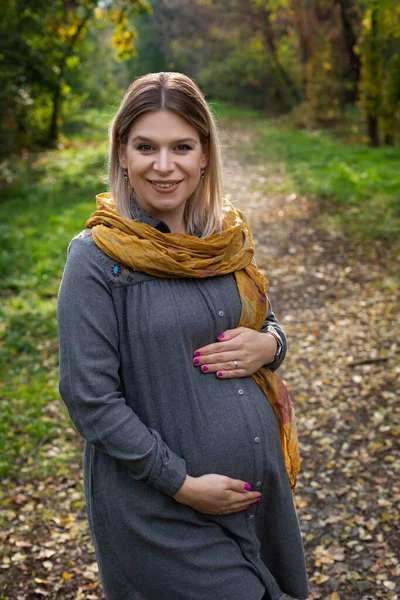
66 576
338 554
301 503
386 516
335 596
321 578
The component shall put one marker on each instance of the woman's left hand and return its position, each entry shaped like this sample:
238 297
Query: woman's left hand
239 352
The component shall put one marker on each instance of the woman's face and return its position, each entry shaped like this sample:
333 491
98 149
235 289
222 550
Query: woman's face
163 148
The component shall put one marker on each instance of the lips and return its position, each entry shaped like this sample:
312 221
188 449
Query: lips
164 182
165 186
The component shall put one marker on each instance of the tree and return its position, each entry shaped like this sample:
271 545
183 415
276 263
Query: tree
350 15
266 17
43 41
379 49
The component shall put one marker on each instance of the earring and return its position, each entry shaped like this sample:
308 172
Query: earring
202 173
126 175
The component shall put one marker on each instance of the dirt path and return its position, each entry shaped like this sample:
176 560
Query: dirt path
340 314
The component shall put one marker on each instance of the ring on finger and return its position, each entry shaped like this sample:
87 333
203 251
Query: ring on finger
235 363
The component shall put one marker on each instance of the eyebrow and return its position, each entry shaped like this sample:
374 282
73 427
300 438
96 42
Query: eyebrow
146 139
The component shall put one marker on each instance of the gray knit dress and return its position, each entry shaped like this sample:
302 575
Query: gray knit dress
149 417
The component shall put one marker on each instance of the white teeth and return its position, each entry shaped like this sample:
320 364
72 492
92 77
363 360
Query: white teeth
164 185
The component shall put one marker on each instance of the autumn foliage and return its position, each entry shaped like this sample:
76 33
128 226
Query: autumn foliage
320 60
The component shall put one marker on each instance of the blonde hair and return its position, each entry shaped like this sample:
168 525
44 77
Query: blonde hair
178 93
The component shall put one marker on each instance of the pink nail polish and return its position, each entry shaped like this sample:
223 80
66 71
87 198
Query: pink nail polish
247 487
259 499
196 361
197 353
204 368
248 507
219 373
221 335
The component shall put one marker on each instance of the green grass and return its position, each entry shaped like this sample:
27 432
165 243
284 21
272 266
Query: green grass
48 202
49 198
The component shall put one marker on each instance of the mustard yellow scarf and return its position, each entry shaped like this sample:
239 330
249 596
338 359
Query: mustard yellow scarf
146 249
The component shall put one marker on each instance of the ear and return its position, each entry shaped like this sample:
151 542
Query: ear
205 157
122 156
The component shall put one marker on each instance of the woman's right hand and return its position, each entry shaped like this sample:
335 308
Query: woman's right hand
216 494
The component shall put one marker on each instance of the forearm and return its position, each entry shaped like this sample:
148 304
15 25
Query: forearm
89 380
113 427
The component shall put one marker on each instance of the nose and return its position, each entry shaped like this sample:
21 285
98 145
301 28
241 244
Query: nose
164 162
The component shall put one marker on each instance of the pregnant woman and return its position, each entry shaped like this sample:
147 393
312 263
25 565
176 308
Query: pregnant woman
168 347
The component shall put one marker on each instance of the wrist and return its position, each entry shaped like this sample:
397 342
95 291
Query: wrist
274 341
185 492
271 331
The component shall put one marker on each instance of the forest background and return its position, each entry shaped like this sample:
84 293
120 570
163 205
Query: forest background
307 96
311 65
317 58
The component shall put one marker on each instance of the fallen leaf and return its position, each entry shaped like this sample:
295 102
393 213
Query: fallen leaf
389 584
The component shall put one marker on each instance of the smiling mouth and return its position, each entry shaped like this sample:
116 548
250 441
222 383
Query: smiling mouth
166 184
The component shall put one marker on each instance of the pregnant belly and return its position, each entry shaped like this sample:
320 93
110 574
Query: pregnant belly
228 433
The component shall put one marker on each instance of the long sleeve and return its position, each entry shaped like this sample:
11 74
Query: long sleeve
89 381
271 319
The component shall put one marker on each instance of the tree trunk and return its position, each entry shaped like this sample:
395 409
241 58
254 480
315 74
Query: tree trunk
389 139
57 98
350 41
372 115
372 129
54 130
261 19
268 34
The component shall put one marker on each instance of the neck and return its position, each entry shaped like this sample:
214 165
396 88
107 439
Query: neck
174 220
178 229
176 223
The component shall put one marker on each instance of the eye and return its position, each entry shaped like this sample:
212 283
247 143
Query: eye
183 147
144 147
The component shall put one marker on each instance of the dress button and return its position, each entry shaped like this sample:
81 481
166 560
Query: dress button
256 439
221 313
251 517
241 392
258 484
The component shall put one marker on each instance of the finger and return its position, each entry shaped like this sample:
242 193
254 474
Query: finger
223 363
229 334
239 506
238 485
216 349
222 358
244 498
230 374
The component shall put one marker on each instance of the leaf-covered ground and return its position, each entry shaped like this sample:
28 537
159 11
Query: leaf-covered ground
339 305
